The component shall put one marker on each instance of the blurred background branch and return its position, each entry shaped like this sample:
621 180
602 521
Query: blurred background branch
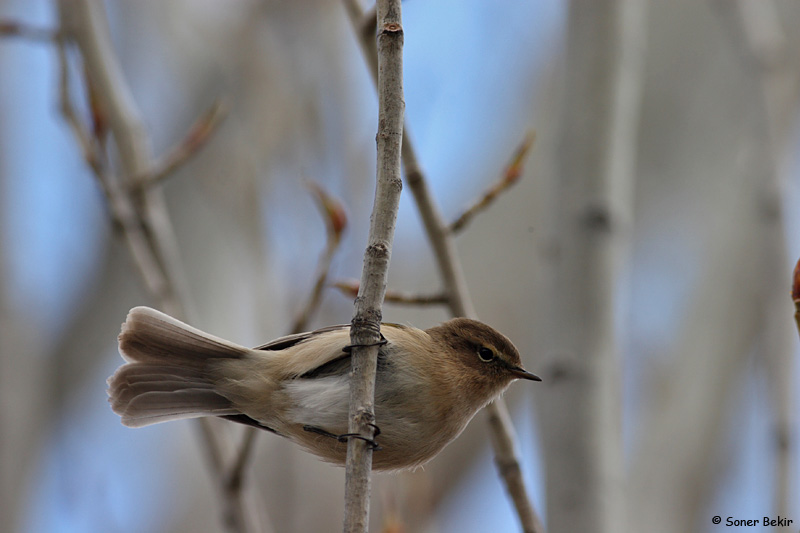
350 288
766 53
335 219
590 211
138 206
512 173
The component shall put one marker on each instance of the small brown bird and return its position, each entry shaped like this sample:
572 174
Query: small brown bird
429 384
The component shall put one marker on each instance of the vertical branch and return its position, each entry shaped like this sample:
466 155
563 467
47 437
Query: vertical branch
365 331
581 408
766 55
669 477
457 295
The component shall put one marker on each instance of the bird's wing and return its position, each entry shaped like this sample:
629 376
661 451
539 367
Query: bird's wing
290 340
335 367
317 354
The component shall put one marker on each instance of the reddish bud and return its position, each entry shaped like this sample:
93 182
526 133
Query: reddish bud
9 27
205 125
99 119
332 210
392 524
516 166
348 287
12 28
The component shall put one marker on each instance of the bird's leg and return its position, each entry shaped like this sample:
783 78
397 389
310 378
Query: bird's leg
349 347
343 438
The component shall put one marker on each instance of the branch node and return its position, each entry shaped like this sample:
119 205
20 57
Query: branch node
393 28
379 250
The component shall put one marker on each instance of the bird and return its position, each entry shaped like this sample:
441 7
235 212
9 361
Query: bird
429 383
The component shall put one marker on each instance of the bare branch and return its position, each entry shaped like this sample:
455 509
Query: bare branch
89 150
84 23
762 42
450 269
592 210
332 210
365 329
511 175
503 438
13 28
121 207
759 38
350 288
236 472
335 222
142 217
403 298
199 133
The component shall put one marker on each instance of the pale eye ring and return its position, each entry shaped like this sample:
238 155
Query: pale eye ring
486 354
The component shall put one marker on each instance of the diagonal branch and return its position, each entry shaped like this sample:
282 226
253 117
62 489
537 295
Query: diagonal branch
350 288
455 287
142 215
335 223
192 143
510 176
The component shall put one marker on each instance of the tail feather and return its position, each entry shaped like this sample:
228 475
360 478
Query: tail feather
171 371
136 379
154 407
149 336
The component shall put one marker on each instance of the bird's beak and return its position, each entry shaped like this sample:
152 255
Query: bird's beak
521 373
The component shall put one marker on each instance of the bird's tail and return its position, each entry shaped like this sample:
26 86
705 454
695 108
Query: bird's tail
171 370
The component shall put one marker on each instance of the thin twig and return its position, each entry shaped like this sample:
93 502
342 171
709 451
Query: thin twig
335 222
84 23
236 471
88 147
503 437
121 208
199 133
510 176
450 269
323 269
13 28
350 288
365 327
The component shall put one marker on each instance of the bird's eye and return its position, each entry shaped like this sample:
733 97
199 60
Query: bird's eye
486 354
